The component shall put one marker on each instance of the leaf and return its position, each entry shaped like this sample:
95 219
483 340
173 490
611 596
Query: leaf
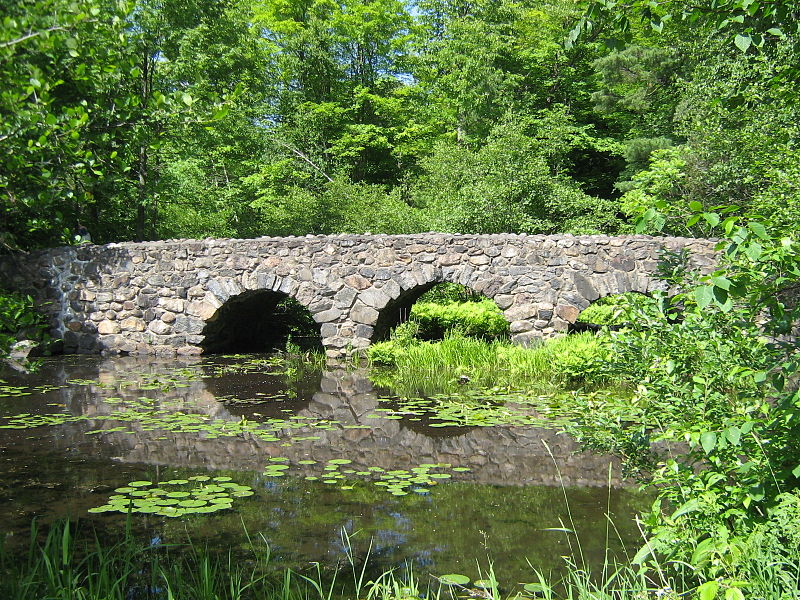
454 579
703 296
708 590
645 219
733 434
708 440
721 282
690 506
187 99
733 593
695 205
758 229
796 471
711 218
754 251
743 43
641 555
721 298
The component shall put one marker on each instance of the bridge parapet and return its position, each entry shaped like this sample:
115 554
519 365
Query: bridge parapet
165 297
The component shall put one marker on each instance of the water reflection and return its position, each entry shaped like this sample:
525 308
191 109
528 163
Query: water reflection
502 508
502 455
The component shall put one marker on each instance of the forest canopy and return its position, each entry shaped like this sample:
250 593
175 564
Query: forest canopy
152 119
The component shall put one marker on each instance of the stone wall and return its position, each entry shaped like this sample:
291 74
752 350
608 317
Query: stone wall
166 297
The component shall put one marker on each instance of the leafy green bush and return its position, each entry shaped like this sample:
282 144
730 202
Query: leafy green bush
617 309
19 320
480 319
446 292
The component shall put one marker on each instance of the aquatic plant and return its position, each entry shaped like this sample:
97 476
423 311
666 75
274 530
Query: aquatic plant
198 494
459 362
63 565
397 482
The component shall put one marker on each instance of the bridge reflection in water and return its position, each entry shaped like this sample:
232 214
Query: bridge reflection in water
501 508
498 455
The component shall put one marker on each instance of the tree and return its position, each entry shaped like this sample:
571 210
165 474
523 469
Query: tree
745 23
516 182
49 55
84 107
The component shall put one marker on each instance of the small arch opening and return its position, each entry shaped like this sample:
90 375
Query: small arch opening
434 309
613 312
261 321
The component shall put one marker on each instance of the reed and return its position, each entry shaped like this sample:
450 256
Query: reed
426 368
58 566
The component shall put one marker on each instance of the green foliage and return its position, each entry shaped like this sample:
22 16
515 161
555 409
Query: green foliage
19 320
444 293
425 368
515 182
637 85
746 24
479 319
88 93
720 380
617 309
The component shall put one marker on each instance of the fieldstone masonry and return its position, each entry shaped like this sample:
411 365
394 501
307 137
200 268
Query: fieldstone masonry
164 297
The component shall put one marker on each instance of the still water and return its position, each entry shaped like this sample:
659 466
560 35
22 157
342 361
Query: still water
333 462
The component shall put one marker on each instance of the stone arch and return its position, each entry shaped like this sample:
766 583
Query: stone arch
242 317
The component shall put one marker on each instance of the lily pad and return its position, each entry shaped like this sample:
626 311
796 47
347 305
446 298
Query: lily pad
454 579
535 588
194 498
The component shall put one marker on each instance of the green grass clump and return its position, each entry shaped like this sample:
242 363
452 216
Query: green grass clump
435 367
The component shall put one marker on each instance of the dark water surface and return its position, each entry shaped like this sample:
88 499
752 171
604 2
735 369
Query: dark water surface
502 493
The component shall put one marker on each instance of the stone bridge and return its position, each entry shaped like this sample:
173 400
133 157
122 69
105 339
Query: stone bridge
193 296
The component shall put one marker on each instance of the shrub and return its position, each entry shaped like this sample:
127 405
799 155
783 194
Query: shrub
19 320
478 319
613 310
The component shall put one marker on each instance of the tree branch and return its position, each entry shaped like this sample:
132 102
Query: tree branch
31 35
305 158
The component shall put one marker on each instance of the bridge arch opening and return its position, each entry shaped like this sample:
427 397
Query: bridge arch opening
612 311
260 321
437 307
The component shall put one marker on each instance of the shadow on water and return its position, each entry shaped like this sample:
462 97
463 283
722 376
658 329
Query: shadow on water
500 495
